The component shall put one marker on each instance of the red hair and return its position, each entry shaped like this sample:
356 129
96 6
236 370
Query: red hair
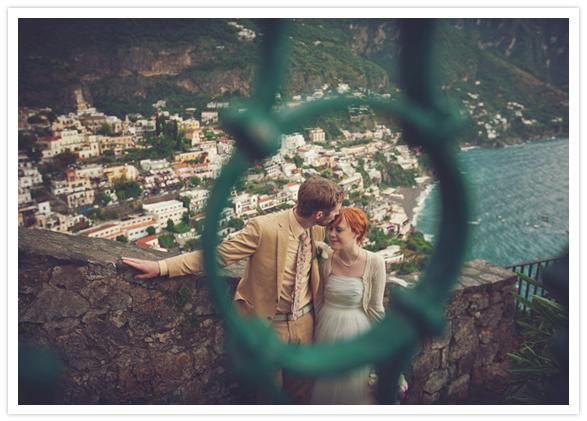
356 219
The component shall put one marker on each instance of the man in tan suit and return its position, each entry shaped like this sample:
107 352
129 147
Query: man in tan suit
280 278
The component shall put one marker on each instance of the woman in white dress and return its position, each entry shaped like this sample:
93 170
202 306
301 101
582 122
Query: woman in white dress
353 282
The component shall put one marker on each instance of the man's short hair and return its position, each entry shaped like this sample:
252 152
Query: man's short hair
318 194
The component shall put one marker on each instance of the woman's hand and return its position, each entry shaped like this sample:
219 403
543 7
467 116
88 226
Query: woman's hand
149 268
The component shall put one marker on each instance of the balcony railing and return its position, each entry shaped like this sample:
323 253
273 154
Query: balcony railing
534 270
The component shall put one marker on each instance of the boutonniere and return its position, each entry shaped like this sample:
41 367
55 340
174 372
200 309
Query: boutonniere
322 251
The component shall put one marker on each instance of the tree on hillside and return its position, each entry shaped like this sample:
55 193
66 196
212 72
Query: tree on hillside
122 239
65 159
236 223
126 188
105 198
186 201
105 130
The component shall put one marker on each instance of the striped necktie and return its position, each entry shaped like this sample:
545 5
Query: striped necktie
300 263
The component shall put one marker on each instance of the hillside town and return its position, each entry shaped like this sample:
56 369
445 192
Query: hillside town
146 180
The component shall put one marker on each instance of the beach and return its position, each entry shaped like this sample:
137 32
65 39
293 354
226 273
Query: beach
414 198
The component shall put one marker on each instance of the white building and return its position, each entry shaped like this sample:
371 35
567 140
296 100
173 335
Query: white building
291 142
309 155
317 135
209 116
151 164
352 183
171 209
90 171
392 255
80 198
291 190
245 204
29 176
136 228
288 168
24 196
272 170
199 198
400 223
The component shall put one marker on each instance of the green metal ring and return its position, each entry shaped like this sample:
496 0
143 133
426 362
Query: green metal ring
255 349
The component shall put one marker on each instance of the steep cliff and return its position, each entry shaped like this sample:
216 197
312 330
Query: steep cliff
125 65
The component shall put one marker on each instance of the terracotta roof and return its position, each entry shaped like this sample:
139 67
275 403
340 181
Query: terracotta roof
143 241
93 230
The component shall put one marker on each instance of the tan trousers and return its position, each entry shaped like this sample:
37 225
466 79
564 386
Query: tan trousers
297 389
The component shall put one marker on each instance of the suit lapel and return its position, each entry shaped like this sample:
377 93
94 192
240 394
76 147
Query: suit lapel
314 271
282 244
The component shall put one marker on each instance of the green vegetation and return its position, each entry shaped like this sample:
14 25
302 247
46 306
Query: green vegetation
417 251
393 174
418 244
122 238
473 56
535 367
105 199
105 130
27 143
179 298
194 244
126 189
189 324
380 239
181 228
26 327
236 223
167 240
185 200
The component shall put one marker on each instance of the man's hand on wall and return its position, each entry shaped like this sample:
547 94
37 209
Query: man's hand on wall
149 268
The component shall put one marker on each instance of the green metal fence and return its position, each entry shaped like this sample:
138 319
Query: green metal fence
534 270
412 314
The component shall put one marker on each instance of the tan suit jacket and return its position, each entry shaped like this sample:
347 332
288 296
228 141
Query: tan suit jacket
264 241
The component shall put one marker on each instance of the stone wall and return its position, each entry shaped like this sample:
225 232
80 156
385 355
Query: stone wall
160 341
479 332
122 340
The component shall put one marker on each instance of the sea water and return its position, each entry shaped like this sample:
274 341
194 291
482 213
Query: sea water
519 202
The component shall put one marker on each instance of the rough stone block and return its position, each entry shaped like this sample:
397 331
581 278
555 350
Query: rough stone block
491 316
460 386
436 381
486 354
428 399
466 345
478 301
426 363
54 303
462 327
465 364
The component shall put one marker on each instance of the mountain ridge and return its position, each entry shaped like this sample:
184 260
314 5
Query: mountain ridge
124 66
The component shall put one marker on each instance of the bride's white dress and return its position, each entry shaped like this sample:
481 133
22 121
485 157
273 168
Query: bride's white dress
342 317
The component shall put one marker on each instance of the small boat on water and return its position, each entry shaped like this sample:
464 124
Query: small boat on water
537 226
545 218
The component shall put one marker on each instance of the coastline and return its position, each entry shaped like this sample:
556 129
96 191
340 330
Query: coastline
414 198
